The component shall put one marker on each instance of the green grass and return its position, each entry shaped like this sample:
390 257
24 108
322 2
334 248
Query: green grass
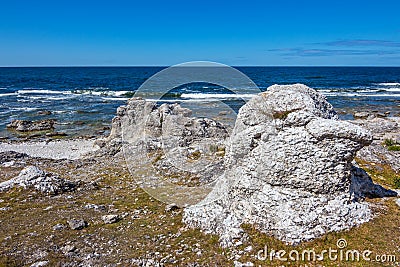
381 173
117 188
396 182
391 145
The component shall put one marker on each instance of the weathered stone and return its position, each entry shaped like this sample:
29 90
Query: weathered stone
44 112
171 207
26 126
377 152
175 140
68 249
77 224
58 227
33 177
361 115
110 218
8 156
288 170
96 207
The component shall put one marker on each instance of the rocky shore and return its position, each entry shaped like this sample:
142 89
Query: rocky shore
289 173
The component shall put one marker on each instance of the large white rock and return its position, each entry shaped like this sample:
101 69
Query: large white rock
288 170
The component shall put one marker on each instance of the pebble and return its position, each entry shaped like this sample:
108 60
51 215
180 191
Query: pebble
58 226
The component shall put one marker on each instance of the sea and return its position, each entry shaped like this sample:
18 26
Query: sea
83 100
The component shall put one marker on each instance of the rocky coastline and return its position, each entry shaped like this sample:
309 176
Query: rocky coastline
289 174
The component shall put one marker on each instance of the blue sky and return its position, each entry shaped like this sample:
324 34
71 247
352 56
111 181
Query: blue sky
309 33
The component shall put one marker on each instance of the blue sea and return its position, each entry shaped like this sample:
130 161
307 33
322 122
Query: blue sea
83 100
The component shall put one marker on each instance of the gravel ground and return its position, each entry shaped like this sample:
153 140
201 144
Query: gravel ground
60 149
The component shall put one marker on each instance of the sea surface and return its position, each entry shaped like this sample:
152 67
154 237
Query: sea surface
83 100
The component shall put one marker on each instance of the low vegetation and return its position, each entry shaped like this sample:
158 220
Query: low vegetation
391 145
148 231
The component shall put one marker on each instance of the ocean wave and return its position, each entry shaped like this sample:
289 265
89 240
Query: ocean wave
102 93
182 100
352 90
351 94
115 98
42 91
364 92
389 84
58 98
24 109
392 89
8 94
223 96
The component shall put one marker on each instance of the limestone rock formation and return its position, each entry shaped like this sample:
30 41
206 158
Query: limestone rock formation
176 143
33 177
288 170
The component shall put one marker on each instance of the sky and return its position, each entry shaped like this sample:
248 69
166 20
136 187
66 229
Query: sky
163 33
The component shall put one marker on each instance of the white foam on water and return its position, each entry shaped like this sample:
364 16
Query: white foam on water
24 109
115 98
350 94
208 96
41 91
392 89
8 94
181 100
100 93
389 84
58 98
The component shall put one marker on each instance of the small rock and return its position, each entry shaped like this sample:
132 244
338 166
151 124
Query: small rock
95 207
44 112
110 218
68 248
248 249
8 164
26 126
361 115
42 181
238 243
398 202
40 264
381 115
58 227
239 264
77 224
171 207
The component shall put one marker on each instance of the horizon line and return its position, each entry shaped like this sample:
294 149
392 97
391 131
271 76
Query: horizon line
166 66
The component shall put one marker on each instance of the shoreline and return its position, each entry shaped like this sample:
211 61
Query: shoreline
109 210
